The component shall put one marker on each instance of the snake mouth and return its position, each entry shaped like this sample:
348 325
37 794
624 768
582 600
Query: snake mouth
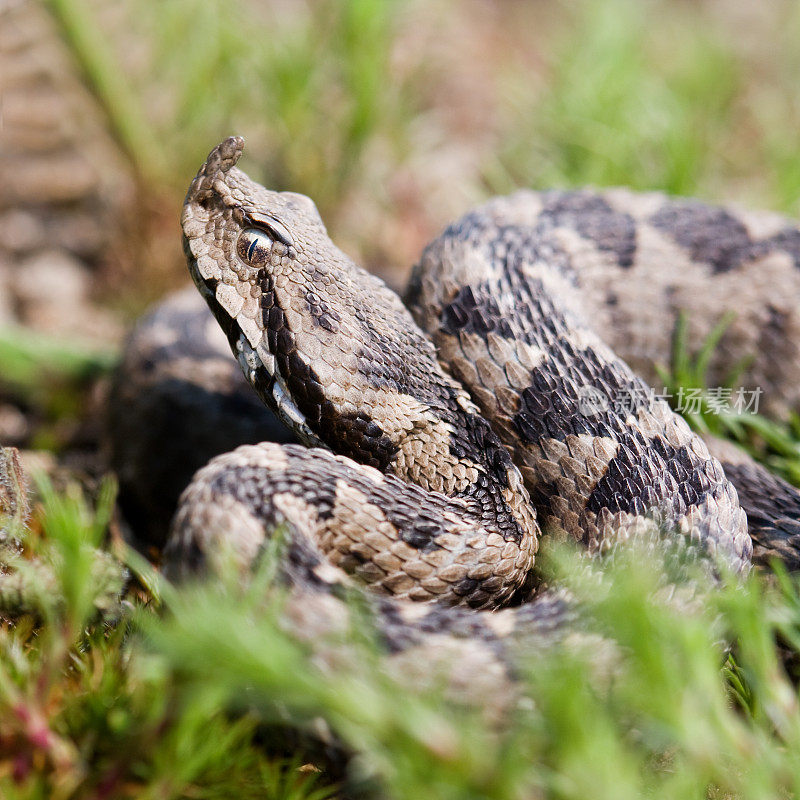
262 373
259 365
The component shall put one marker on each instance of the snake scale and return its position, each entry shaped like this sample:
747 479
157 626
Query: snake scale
445 434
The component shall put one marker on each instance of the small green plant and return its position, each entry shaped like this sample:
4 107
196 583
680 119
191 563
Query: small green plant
85 709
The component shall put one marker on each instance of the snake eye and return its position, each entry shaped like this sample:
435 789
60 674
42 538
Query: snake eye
254 246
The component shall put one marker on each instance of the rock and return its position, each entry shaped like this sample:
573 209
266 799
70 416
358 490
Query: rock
14 425
52 289
21 231
7 316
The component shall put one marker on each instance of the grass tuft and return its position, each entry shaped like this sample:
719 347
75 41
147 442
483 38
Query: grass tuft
214 695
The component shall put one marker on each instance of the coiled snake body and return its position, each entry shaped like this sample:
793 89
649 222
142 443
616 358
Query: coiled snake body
437 459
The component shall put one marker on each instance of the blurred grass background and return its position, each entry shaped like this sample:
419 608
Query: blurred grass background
395 117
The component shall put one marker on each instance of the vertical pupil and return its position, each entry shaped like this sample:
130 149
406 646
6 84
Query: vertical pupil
251 247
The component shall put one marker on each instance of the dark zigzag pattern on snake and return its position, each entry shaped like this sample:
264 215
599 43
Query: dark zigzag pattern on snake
504 296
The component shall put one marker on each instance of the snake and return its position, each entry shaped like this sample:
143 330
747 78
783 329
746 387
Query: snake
508 397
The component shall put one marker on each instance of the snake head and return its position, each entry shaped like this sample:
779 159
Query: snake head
307 325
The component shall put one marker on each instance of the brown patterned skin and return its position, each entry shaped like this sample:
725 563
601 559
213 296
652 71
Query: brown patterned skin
446 457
